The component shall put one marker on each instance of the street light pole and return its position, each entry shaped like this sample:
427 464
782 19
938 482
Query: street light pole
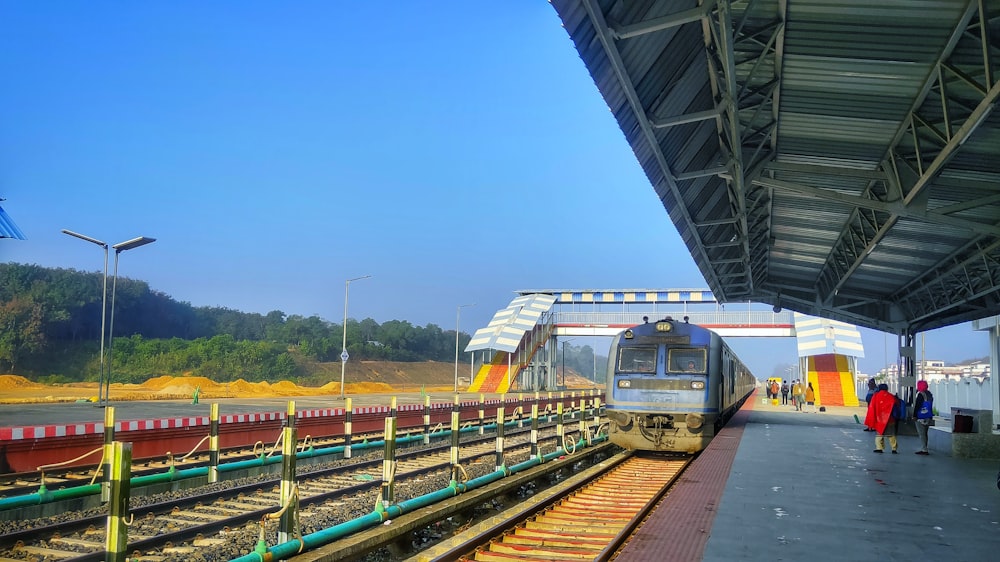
458 317
119 248
104 305
343 353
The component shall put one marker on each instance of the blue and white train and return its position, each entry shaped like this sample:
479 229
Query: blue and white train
671 386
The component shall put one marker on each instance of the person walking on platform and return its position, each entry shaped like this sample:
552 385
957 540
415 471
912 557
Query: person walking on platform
798 395
923 407
784 393
774 390
872 387
880 418
811 397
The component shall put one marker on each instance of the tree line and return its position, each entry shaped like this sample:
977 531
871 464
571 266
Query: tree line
47 313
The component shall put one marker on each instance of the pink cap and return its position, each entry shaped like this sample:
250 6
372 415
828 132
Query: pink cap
921 386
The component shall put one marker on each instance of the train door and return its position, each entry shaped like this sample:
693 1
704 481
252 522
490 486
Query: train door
724 369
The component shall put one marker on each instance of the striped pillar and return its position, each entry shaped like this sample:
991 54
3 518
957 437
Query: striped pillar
109 439
213 444
559 423
500 419
534 430
348 411
597 417
482 414
520 409
286 526
427 419
116 542
456 410
389 457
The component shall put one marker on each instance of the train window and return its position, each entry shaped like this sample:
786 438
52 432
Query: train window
681 360
637 359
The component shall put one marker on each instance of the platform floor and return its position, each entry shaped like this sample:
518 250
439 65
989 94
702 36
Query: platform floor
807 486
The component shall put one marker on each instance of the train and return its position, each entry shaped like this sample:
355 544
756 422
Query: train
672 386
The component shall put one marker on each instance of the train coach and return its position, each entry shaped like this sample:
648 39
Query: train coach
671 386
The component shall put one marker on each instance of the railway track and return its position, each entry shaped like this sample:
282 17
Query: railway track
186 528
587 517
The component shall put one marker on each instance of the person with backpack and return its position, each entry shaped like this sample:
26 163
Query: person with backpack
923 408
798 395
784 393
881 417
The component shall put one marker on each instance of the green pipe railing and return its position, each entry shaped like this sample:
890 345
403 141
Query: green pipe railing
44 496
313 540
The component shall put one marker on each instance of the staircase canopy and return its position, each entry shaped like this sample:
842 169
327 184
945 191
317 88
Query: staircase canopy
508 326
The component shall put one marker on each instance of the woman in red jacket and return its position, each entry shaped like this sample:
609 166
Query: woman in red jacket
880 418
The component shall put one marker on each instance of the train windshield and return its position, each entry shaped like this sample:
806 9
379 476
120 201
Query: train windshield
680 360
637 359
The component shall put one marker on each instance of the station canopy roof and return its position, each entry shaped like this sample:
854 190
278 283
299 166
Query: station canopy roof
837 158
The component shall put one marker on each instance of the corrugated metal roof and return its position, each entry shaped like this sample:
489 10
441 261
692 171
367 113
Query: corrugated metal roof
7 227
838 158
508 326
819 336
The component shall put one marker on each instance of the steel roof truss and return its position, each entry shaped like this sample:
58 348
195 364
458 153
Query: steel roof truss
938 155
834 275
668 183
970 281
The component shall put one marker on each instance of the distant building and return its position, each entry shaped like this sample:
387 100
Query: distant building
936 370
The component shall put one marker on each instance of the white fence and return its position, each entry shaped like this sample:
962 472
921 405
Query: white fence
967 392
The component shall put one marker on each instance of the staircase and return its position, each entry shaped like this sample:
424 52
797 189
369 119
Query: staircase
832 380
493 377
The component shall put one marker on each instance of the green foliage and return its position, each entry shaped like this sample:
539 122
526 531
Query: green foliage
51 323
20 329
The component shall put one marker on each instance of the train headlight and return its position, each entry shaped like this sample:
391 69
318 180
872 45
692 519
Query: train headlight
664 326
698 385
624 383
694 421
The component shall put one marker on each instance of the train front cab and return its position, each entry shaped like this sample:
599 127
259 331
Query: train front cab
664 397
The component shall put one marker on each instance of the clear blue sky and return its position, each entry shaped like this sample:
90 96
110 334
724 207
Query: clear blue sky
455 151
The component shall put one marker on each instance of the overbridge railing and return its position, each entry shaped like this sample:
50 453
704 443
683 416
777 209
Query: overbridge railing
717 318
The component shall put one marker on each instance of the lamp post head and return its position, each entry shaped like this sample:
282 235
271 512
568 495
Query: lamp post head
85 237
133 243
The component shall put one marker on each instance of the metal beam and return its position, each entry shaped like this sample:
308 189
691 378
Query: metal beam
665 122
663 22
831 171
895 208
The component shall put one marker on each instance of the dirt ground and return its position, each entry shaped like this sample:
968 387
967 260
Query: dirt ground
370 377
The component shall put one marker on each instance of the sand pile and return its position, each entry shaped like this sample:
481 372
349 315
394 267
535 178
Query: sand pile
363 378
10 382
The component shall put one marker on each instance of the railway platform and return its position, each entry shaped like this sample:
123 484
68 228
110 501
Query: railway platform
777 484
